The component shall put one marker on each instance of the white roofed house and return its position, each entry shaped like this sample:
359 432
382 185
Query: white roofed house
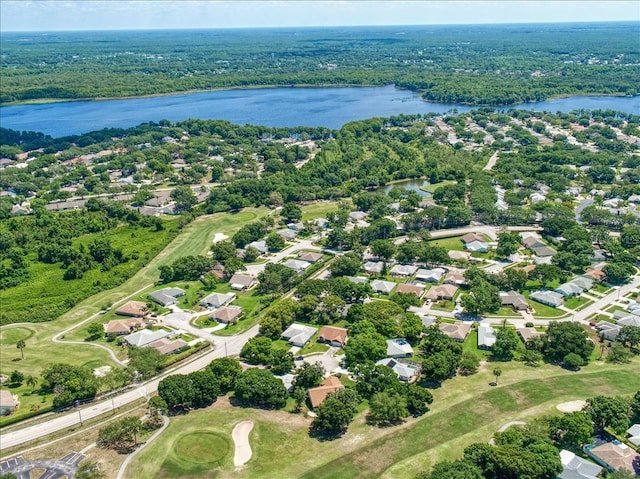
574 467
145 336
569 289
486 336
383 287
550 298
261 246
297 265
399 348
373 267
403 270
357 215
407 371
477 246
299 334
430 275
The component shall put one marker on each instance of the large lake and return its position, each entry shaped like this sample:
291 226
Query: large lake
330 107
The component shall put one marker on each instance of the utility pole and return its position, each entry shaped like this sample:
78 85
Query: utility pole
78 408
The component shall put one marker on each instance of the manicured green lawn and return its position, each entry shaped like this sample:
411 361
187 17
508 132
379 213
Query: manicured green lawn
430 188
313 346
577 302
465 410
451 244
319 209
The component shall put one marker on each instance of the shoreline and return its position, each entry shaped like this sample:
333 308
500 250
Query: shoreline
48 101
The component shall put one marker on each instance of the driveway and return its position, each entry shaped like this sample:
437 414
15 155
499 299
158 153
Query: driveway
327 359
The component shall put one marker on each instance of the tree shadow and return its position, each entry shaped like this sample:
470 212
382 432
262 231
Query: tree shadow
325 436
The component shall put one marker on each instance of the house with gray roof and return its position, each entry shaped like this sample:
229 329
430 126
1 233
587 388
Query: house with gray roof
569 289
357 279
543 251
166 296
297 265
583 282
261 246
574 467
216 300
287 234
477 246
634 435
241 281
145 336
514 299
550 298
406 371
608 330
399 348
631 320
382 287
357 216
528 333
373 267
299 334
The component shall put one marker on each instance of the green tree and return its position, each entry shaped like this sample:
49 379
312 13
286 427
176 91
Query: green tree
460 469
177 391
607 411
618 273
505 345
619 354
363 348
629 336
275 242
345 265
508 243
145 362
95 330
564 337
225 370
89 470
206 388
469 363
387 407
418 399
335 413
574 428
309 375
573 361
405 300
259 387
21 345
184 198
291 212
16 378
32 382
257 350
383 248
497 372
372 379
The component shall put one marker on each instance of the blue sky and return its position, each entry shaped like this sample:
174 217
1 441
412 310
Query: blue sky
48 15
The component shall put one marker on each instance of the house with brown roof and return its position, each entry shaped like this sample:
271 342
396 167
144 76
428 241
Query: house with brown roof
227 314
319 394
456 331
459 255
455 276
309 256
471 237
596 274
333 335
616 456
166 346
528 333
120 327
137 309
7 402
410 288
444 291
218 270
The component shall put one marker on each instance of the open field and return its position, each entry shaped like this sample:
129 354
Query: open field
465 410
319 209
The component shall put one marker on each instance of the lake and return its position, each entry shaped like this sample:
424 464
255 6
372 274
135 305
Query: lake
331 107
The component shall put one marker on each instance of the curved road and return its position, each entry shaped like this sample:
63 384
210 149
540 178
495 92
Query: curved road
233 346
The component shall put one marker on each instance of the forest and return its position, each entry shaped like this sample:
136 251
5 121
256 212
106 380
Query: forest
473 64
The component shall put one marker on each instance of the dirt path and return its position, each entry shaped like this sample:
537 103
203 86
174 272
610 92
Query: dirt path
240 437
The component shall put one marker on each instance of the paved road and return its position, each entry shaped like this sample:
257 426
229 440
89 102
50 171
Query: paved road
66 420
492 162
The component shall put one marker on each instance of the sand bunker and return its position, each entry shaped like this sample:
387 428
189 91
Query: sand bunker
571 406
240 437
219 237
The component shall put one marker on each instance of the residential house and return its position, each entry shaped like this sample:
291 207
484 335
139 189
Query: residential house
569 289
373 267
543 251
240 281
299 334
296 265
445 291
430 275
357 279
166 296
216 300
574 467
532 242
261 246
407 371
477 247
411 288
145 336
528 333
296 226
309 256
455 277
319 394
333 336
608 330
286 234
583 282
596 274
227 314
399 348
166 346
459 255
382 287
634 435
218 271
537 198
137 309
356 216
457 331
550 298
7 402
470 238
486 336
514 299
630 320
616 456
120 327
427 320
403 270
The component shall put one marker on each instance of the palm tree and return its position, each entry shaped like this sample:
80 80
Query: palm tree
31 382
497 372
21 345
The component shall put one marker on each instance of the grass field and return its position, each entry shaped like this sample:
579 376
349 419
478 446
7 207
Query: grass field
465 410
451 244
319 209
